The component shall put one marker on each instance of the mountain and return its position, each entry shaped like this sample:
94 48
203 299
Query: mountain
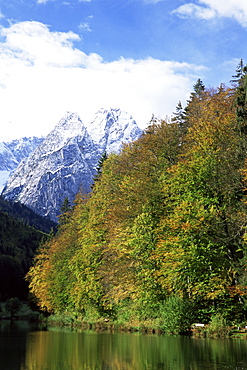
12 153
111 128
27 216
65 162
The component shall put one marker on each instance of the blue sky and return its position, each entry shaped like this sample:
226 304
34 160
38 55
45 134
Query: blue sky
142 56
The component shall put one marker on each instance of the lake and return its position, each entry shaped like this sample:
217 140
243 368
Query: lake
24 347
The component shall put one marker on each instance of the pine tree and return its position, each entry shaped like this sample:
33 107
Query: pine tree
99 168
180 119
193 108
240 103
65 211
199 88
240 72
179 115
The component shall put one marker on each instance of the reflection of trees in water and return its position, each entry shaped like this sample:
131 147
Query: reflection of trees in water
23 348
13 339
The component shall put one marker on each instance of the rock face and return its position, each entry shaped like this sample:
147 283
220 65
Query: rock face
111 128
65 161
12 153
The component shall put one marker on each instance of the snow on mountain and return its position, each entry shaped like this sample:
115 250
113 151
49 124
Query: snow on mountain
56 169
65 161
4 175
22 148
111 128
12 153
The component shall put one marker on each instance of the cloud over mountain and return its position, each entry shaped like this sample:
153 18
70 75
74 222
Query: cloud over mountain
42 71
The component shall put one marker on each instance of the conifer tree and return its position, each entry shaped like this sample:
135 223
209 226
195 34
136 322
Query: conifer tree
179 115
193 108
199 88
240 102
65 211
240 72
99 168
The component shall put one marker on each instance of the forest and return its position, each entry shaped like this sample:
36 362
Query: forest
26 216
162 235
18 243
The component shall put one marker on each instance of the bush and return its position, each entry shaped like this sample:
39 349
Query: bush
176 315
12 306
217 326
91 314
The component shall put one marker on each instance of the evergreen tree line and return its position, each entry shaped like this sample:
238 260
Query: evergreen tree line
27 216
18 244
162 235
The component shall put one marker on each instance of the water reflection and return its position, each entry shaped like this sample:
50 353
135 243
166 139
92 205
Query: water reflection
23 347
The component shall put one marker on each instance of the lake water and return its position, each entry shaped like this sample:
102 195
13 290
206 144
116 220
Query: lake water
23 347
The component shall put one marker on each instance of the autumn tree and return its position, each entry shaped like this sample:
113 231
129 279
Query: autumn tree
163 226
201 231
136 205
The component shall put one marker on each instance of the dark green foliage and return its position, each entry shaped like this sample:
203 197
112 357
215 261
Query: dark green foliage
176 314
11 278
65 212
240 105
12 306
240 72
240 101
199 88
18 244
99 168
179 115
26 215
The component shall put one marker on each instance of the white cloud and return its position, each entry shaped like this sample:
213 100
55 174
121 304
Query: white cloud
43 74
84 26
209 9
42 1
33 43
194 10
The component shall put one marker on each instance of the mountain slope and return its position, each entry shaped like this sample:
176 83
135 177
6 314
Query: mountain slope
65 162
12 153
26 215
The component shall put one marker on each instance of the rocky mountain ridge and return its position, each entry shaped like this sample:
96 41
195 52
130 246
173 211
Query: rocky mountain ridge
13 152
65 161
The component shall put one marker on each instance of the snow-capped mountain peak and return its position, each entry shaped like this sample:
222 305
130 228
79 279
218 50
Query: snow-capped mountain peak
68 127
111 128
65 161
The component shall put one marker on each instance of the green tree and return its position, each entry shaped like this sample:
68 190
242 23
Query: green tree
179 115
166 219
240 101
99 168
65 211
176 315
240 72
132 180
201 233
199 88
12 306
51 279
